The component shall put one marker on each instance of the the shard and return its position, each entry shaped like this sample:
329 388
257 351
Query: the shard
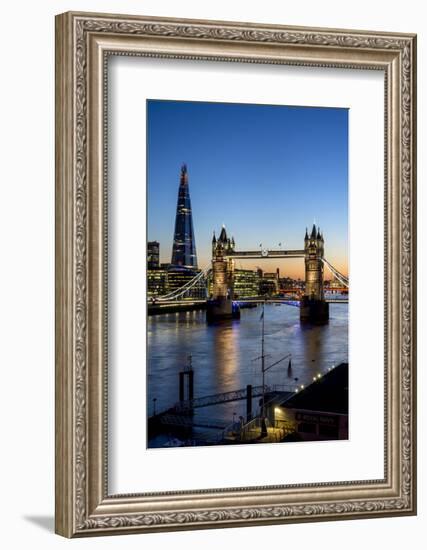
184 245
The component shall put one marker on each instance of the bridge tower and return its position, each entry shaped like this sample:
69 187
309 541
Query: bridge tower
314 308
220 305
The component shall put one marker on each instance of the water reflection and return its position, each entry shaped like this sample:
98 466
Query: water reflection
225 357
223 354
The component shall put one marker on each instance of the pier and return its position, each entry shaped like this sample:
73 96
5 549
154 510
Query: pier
284 412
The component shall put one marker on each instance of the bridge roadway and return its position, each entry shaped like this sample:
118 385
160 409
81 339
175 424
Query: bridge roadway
242 254
255 300
288 301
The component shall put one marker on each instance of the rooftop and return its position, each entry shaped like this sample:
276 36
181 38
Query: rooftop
327 394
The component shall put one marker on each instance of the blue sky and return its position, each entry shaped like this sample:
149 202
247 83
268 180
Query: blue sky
266 172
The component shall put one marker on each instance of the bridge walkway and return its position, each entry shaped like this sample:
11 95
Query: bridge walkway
227 397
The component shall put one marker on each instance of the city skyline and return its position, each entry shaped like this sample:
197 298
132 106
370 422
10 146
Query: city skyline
265 172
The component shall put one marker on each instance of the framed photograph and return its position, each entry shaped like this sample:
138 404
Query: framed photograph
235 274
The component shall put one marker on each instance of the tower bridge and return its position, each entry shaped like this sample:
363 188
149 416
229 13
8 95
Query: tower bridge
221 305
313 306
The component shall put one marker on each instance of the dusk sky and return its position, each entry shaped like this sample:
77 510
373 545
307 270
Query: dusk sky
265 172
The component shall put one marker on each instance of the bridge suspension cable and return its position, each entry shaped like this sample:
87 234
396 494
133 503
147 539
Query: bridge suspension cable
341 278
177 293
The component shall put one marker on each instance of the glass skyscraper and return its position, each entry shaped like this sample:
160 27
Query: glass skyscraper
184 245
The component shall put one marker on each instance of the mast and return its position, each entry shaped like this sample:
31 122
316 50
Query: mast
264 368
263 362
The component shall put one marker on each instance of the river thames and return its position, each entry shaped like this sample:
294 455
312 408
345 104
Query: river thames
224 356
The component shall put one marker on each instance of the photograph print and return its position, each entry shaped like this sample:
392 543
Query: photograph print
247 274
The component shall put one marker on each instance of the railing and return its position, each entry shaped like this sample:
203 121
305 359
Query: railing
226 397
232 431
282 388
275 431
253 429
285 426
236 432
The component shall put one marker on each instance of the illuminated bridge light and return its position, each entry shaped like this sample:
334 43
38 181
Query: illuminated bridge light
196 288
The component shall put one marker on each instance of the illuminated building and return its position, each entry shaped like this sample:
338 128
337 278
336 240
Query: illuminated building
167 279
153 255
184 245
246 283
156 277
177 277
316 412
221 305
269 283
156 282
314 250
313 307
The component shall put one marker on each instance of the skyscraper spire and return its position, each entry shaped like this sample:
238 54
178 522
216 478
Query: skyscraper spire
184 174
184 245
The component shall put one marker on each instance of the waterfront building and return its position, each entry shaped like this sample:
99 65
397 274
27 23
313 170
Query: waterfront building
268 287
317 412
287 283
168 278
246 283
184 244
335 285
156 277
299 283
291 288
269 283
272 275
157 282
178 276
153 255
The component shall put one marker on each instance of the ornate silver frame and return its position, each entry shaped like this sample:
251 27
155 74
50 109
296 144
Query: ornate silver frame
83 505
